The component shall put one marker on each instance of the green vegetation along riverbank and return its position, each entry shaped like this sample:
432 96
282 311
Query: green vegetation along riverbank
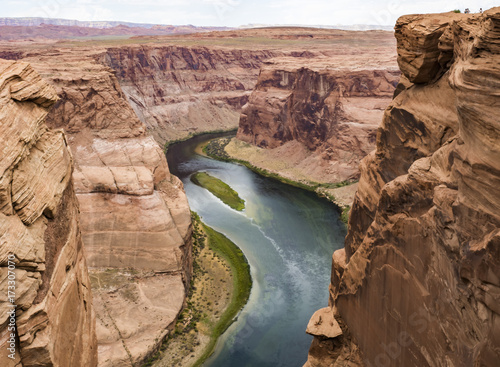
191 135
220 189
215 149
220 287
242 283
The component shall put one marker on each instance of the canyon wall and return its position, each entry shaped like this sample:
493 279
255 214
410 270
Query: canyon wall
321 112
418 283
199 82
135 218
39 233
183 85
178 91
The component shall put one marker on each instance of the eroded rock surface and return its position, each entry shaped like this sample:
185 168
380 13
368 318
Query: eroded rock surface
184 85
178 91
40 232
201 86
322 113
135 218
418 281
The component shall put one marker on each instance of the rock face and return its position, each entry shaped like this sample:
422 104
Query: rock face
181 90
40 232
183 85
136 223
178 91
325 107
418 283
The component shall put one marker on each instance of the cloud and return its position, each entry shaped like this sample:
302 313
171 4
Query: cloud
52 9
237 12
177 17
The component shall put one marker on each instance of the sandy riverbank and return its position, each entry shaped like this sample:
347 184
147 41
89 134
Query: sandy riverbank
219 289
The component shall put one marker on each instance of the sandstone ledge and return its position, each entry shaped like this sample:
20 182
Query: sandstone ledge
322 323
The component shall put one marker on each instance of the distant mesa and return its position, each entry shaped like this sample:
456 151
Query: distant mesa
48 28
55 28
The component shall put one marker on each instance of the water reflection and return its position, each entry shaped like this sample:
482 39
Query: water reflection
288 236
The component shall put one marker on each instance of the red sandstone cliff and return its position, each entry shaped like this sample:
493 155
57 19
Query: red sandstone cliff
201 86
326 106
135 219
189 84
136 222
418 283
40 233
177 91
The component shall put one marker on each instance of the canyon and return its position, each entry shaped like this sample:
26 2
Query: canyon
418 281
313 120
117 105
201 82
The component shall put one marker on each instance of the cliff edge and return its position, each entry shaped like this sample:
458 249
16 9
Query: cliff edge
136 223
418 283
135 219
317 117
43 272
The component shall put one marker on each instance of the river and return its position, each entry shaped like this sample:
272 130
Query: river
288 236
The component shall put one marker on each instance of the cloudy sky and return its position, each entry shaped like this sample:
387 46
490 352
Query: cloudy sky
235 12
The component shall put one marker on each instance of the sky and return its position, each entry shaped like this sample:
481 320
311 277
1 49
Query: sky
233 13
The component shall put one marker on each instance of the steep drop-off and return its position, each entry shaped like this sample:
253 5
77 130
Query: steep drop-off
39 233
312 120
177 91
200 82
418 283
182 85
136 223
320 114
135 217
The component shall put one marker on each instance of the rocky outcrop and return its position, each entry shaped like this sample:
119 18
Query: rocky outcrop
43 272
177 91
425 45
202 85
135 218
324 107
418 281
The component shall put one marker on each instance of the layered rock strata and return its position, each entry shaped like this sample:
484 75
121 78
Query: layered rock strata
418 281
42 258
177 91
183 85
135 215
319 115
136 223
202 85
